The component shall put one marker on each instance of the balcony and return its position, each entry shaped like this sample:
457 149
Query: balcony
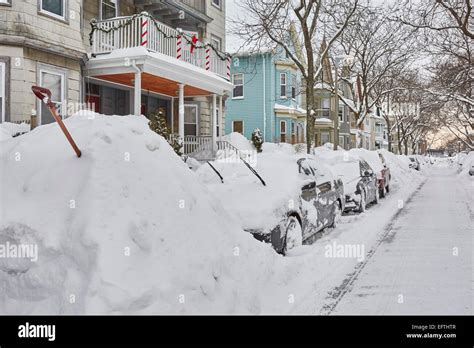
142 31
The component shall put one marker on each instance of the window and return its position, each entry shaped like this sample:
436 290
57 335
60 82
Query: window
325 106
293 86
325 138
341 141
282 131
216 42
55 82
2 92
238 127
54 8
190 120
283 85
238 80
341 114
216 3
108 9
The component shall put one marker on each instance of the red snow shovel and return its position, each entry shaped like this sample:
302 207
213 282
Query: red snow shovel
44 95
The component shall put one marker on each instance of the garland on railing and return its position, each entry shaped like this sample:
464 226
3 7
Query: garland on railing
196 45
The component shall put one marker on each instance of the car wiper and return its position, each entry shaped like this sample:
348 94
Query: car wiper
253 171
216 171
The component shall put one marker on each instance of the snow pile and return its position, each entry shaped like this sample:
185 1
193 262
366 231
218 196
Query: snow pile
239 141
254 205
372 158
9 130
282 148
467 162
127 228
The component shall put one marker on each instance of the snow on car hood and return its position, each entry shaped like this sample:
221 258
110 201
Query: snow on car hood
257 207
344 166
372 158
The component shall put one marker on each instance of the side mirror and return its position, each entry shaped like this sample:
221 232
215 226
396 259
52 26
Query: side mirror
366 173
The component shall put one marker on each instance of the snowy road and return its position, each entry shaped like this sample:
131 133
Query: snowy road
424 264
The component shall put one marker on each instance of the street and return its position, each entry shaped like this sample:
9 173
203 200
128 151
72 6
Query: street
423 265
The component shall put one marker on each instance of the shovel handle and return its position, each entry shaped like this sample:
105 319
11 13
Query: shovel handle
44 95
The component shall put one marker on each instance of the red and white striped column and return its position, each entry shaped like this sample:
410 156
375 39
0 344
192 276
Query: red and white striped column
208 58
144 24
179 46
229 61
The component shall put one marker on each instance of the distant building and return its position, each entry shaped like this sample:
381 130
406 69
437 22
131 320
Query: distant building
267 96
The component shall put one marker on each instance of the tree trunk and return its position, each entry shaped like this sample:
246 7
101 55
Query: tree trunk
309 115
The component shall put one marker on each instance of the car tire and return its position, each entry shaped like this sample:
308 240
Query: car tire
337 214
363 202
293 234
377 197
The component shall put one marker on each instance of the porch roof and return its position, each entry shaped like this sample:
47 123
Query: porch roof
161 72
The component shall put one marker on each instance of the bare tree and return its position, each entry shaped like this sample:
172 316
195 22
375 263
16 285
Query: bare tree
266 24
440 15
446 28
382 50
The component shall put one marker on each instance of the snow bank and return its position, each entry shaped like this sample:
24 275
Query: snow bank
127 228
239 141
467 162
9 130
254 205
282 148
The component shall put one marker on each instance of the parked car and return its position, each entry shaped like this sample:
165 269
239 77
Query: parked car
377 162
301 198
414 163
360 182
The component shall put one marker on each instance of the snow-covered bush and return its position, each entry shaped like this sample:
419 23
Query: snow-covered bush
159 125
257 139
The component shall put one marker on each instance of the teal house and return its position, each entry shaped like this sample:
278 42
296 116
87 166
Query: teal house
266 95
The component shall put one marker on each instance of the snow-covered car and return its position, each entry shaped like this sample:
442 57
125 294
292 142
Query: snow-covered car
378 164
360 182
301 197
415 163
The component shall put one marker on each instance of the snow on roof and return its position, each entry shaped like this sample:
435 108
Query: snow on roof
290 108
323 120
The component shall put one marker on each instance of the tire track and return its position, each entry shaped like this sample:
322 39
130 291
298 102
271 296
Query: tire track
336 295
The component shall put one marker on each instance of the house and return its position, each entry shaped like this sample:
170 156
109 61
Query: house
266 96
113 55
326 109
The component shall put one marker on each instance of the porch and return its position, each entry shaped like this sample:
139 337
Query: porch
151 59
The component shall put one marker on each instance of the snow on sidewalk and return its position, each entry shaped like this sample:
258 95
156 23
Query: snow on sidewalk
424 266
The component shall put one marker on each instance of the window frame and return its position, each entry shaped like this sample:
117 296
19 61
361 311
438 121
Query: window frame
219 6
340 114
52 71
326 111
240 85
283 85
215 38
283 134
63 18
194 106
3 84
101 14
293 87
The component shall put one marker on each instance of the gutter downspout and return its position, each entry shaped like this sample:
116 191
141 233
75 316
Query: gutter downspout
264 99
137 100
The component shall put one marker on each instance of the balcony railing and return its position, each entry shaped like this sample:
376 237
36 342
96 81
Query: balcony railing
128 32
